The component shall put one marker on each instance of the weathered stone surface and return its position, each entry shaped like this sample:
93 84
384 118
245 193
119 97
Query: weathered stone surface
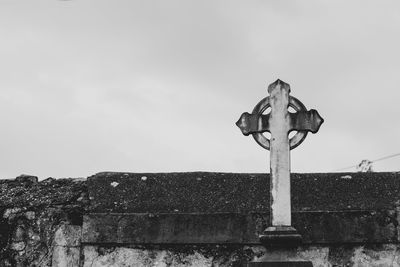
177 192
66 256
29 179
68 236
352 207
233 192
234 228
165 256
222 207
67 246
31 212
281 264
224 256
167 228
49 192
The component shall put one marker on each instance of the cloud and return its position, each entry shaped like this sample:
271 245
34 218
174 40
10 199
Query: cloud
157 86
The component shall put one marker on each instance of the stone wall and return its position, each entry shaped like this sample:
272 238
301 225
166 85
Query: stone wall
336 255
196 219
37 218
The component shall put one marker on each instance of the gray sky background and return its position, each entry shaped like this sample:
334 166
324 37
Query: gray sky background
150 86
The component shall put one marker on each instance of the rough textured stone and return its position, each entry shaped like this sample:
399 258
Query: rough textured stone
216 207
29 179
168 228
159 257
233 192
31 212
66 256
233 228
320 256
362 207
49 192
67 246
68 236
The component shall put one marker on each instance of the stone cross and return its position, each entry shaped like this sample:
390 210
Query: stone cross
279 122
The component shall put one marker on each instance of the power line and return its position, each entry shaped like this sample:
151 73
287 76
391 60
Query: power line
387 157
383 158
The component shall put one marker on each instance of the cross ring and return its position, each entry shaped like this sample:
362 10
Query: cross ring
263 105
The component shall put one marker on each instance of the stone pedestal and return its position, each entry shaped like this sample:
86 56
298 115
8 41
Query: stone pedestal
280 236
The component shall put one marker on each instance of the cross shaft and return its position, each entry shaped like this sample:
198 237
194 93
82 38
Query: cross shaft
279 158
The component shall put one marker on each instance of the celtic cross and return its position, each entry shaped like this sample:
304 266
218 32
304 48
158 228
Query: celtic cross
279 123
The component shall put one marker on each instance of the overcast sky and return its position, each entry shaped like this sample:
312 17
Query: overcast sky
151 86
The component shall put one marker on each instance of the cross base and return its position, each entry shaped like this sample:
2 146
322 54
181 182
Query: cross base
280 236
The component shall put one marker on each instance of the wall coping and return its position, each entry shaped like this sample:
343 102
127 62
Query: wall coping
232 208
239 192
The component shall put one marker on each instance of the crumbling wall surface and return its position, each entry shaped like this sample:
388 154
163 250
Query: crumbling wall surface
185 255
33 213
346 219
196 219
387 255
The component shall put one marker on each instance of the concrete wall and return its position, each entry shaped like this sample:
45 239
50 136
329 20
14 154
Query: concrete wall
345 220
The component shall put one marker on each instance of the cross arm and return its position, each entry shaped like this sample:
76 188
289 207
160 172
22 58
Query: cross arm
299 121
253 123
305 121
